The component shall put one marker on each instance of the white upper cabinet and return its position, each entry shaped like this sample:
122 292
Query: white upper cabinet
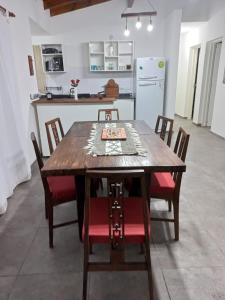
111 56
52 57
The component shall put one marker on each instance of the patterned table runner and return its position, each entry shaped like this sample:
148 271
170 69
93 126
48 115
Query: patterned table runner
98 147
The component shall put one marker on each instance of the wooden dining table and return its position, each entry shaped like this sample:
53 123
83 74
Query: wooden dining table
70 158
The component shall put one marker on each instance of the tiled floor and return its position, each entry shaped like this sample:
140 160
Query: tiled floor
191 269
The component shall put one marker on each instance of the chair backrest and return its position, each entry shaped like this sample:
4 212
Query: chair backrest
40 161
163 127
37 151
54 125
181 144
180 149
115 200
108 114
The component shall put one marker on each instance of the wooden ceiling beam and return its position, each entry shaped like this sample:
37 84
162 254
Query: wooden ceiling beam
130 3
48 4
62 9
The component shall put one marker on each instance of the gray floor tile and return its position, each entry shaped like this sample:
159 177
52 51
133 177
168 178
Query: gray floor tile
52 287
6 284
25 215
66 256
195 283
14 246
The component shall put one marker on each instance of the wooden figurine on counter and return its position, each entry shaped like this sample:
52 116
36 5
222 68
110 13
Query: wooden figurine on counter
112 89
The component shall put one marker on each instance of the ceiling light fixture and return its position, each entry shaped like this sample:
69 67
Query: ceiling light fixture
126 31
138 23
138 15
150 26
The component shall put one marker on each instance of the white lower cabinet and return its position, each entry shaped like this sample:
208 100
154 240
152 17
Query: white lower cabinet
126 108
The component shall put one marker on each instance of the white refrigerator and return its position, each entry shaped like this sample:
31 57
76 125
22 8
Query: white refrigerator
150 80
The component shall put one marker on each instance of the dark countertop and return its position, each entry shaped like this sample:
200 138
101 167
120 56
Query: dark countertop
82 99
73 101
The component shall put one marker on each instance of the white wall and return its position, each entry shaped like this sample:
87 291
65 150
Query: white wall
171 52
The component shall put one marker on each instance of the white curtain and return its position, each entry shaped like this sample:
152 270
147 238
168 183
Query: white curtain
14 168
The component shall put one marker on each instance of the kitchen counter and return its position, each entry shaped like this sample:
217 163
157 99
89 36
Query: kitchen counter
73 101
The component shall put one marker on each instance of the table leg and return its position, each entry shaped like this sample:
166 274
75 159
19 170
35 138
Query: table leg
80 188
135 190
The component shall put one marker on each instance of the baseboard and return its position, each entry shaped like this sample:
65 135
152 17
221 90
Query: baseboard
179 116
197 124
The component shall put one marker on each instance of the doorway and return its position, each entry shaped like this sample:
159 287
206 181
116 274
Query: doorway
211 68
192 81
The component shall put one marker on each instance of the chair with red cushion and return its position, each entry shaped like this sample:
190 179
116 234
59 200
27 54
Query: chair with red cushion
116 220
167 186
162 129
58 190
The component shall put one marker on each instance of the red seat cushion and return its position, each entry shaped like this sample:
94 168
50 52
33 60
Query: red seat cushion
162 185
133 220
62 188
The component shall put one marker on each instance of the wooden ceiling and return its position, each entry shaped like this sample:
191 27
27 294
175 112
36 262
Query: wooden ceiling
58 7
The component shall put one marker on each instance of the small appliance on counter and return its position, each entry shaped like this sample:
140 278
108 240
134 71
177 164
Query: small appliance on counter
49 96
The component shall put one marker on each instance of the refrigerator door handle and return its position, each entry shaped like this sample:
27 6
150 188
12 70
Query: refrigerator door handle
148 78
147 84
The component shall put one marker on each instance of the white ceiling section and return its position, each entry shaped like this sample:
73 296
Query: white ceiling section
36 29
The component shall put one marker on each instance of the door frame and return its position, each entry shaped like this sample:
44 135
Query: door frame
192 74
207 80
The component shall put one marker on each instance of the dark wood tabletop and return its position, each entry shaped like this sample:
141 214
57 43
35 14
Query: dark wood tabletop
70 158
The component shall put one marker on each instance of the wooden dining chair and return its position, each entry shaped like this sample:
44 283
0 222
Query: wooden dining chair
108 114
58 190
164 127
55 125
167 185
116 220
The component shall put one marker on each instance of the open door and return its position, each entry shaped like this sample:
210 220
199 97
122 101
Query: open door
192 81
211 68
214 77
196 80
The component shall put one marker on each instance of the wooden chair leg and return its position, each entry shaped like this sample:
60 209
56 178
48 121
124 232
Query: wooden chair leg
101 184
50 225
90 248
142 249
46 208
169 205
148 260
85 271
176 218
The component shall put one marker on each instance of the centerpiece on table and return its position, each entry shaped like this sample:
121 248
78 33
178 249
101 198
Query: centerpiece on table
73 90
113 134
